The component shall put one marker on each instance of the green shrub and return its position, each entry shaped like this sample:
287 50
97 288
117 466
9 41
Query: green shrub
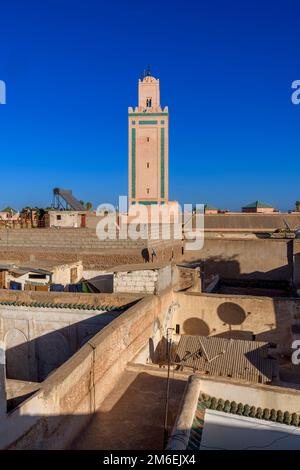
287 418
220 406
214 403
240 409
246 410
273 415
252 412
208 402
259 413
233 408
295 419
227 406
279 416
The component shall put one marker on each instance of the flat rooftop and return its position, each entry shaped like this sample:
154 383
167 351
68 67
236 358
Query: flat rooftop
43 265
138 267
132 416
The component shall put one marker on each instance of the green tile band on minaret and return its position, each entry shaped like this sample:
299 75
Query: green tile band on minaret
148 146
133 160
162 162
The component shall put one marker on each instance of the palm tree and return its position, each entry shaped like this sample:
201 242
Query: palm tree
297 204
39 213
88 206
26 213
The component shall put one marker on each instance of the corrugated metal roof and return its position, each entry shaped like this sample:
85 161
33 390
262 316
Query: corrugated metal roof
20 269
246 360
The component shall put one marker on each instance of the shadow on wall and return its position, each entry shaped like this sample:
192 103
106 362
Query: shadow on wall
233 315
34 360
141 406
233 320
297 268
158 354
196 326
224 266
255 357
229 313
145 255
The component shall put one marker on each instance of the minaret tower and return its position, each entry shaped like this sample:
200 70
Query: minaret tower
148 126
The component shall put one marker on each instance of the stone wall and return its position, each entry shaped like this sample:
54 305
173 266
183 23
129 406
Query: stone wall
250 222
38 340
74 244
63 274
147 281
185 278
264 396
233 258
62 238
53 416
112 300
136 281
41 330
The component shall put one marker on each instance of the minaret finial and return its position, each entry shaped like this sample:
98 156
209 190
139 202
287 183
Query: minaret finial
149 71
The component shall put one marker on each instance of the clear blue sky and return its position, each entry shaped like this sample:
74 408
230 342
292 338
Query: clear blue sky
226 68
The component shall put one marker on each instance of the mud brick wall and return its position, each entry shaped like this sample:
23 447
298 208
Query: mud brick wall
69 245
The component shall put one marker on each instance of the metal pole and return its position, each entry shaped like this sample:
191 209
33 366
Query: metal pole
169 342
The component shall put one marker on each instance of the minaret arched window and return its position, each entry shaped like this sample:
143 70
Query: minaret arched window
149 102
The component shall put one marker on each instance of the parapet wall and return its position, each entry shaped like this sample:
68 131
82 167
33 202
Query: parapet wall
74 244
38 340
54 415
113 300
234 258
41 330
251 222
62 238
263 396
